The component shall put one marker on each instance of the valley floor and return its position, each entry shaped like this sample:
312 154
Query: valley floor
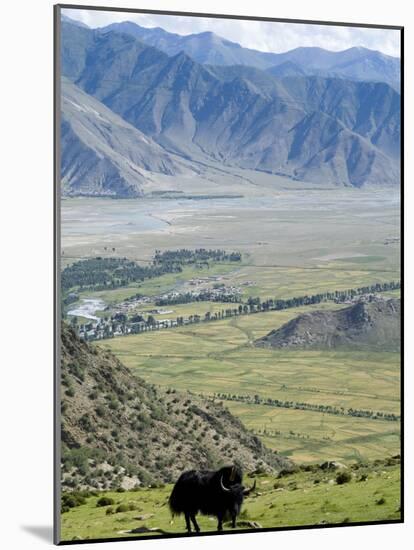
295 240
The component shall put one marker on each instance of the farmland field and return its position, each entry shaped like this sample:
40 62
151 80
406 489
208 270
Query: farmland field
217 357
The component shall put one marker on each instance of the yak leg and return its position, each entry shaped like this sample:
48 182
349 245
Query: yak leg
193 519
187 522
233 520
220 522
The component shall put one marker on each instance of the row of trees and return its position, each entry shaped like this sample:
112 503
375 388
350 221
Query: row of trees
186 256
137 323
103 273
256 304
327 409
209 295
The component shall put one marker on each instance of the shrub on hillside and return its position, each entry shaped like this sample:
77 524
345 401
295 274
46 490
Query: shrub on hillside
127 507
343 477
71 500
105 501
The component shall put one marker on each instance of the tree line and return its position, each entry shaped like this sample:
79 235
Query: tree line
137 324
106 273
186 256
255 304
203 296
327 409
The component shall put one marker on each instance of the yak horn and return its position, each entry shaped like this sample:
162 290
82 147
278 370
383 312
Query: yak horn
248 491
222 485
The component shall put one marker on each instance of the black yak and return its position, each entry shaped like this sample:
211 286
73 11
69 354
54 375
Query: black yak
210 493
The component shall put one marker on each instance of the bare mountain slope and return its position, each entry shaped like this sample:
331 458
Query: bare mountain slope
373 324
102 154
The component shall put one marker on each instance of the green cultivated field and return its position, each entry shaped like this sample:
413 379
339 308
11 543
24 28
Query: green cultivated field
308 436
302 498
218 357
288 282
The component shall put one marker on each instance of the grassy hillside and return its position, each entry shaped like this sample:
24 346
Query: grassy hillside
310 496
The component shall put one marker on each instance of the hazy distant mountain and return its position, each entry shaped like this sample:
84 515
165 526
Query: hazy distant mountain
309 128
209 48
354 64
205 47
101 153
66 19
375 324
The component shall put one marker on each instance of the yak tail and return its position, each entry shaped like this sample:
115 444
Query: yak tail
174 503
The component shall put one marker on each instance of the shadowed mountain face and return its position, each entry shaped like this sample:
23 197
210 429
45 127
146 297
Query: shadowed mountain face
209 48
116 422
75 42
373 325
308 128
102 154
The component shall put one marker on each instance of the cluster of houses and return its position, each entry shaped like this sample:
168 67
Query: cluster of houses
127 317
220 293
118 326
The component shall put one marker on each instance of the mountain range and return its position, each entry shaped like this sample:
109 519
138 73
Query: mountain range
208 48
283 121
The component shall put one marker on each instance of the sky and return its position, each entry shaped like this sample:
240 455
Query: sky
259 35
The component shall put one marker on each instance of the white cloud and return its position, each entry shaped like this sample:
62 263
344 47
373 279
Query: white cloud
260 35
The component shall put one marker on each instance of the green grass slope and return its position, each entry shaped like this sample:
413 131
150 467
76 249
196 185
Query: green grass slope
310 496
